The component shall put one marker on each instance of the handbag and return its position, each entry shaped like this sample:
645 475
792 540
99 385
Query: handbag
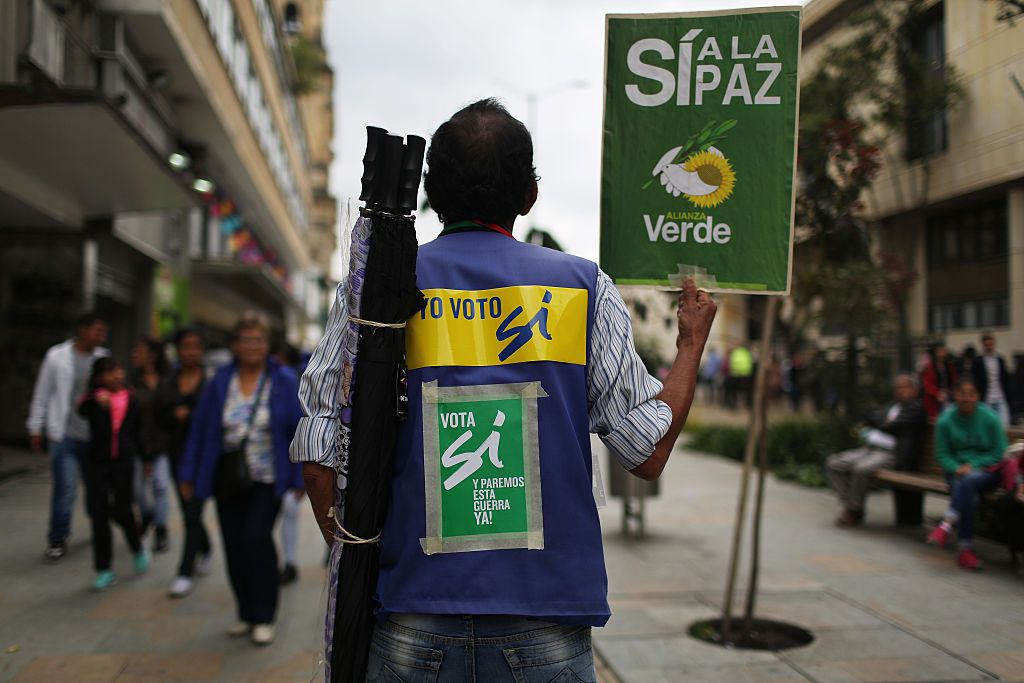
232 477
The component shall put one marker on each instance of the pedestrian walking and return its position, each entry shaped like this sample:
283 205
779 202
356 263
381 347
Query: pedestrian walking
237 451
153 478
178 396
115 421
288 356
741 374
547 352
938 377
969 444
992 378
54 422
291 508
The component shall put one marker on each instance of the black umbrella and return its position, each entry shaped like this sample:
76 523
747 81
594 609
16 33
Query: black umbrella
391 177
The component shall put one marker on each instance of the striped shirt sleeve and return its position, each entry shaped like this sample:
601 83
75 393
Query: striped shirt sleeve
315 438
623 409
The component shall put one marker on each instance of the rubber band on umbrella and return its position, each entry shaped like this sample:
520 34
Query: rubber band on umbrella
351 539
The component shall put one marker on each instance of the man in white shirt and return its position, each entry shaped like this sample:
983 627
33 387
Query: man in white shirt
992 379
892 441
53 420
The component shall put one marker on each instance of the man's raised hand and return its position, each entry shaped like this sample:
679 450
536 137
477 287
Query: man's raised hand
694 316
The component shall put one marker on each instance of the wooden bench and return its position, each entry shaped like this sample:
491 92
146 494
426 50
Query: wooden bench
909 488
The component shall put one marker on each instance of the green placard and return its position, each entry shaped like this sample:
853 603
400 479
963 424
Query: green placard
483 469
699 148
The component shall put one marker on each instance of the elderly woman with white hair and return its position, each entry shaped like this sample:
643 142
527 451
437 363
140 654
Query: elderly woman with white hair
237 452
893 440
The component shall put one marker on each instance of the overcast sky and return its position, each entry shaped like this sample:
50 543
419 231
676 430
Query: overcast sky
407 65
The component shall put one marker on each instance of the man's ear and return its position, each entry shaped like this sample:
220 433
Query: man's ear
530 199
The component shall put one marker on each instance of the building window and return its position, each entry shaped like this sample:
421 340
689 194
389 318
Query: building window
292 20
927 133
968 267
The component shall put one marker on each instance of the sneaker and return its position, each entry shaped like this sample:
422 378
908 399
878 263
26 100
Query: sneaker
968 559
204 564
55 551
160 541
263 634
180 586
939 535
288 575
239 629
104 580
141 562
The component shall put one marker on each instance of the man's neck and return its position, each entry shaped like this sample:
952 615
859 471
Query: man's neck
82 347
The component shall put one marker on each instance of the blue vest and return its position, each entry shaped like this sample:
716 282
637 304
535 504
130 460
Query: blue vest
492 510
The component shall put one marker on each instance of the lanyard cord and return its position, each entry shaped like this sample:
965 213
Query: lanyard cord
476 224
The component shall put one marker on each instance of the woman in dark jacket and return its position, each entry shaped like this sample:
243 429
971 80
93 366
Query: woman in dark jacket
938 377
153 479
114 420
178 395
237 451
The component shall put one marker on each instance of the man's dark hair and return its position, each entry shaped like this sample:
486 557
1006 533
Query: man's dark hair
88 320
480 165
986 336
963 381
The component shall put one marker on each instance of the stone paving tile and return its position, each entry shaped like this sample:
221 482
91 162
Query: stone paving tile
847 564
178 668
891 670
774 672
975 638
1008 665
653 617
862 643
813 610
98 668
678 654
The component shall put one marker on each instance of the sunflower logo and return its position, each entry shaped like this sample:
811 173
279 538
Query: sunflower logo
698 170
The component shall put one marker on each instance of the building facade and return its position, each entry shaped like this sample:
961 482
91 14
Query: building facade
950 196
161 164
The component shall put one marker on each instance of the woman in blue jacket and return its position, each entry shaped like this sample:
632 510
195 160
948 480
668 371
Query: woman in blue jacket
237 451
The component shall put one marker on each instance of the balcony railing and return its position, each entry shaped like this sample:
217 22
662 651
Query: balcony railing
57 54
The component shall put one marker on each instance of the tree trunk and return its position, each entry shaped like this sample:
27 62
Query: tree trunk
850 391
756 430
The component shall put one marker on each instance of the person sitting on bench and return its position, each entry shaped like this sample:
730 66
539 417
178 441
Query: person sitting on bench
1011 504
893 440
969 444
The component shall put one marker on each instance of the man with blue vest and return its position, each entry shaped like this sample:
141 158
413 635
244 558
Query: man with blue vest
492 565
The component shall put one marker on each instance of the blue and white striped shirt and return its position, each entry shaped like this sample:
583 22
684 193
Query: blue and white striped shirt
622 408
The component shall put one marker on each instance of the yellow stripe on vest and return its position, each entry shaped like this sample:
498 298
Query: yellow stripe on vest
498 327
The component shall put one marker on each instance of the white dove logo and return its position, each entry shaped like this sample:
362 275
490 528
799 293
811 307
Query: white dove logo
705 178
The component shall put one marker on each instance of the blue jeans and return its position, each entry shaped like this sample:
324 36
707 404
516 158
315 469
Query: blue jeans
66 460
965 492
424 648
153 493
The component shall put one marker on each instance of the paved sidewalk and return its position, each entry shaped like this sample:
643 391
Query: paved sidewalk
883 606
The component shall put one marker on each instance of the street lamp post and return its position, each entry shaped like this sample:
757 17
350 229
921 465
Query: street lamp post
532 98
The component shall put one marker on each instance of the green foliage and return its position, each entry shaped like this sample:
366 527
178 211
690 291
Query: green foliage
309 64
797 448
